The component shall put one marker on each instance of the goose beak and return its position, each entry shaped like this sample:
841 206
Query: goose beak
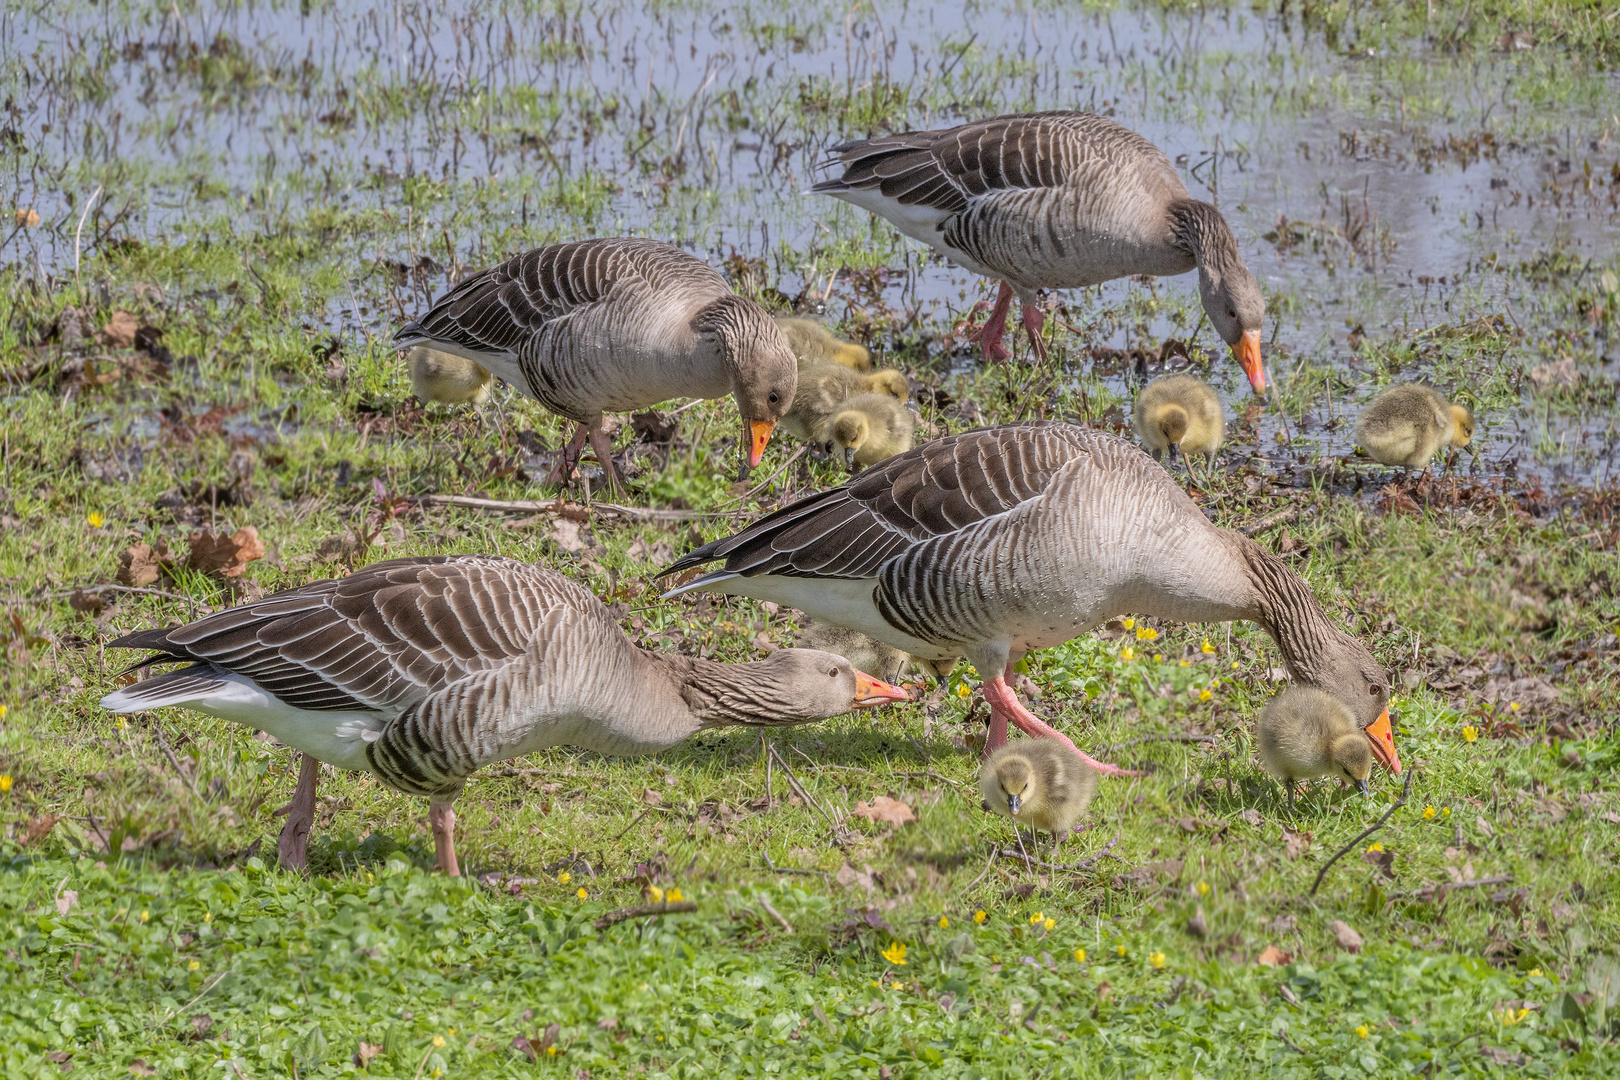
1013 803
1247 352
870 692
761 432
1382 737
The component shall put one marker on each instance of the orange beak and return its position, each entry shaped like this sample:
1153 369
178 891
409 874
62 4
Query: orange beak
761 432
870 692
1382 737
1247 352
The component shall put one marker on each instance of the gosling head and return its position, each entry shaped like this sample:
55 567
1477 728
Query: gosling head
1173 422
891 382
1352 759
1015 782
850 431
1462 425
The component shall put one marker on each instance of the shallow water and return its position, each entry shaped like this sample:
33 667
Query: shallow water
1395 181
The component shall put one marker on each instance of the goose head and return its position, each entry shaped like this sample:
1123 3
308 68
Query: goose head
1352 758
1237 310
1013 783
851 429
764 371
1350 674
1172 421
891 382
791 686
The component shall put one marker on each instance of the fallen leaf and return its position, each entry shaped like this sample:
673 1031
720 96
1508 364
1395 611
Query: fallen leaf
140 1068
66 901
367 1051
1250 816
228 556
847 875
652 798
39 828
1560 375
607 1023
1198 925
59 1057
1348 939
88 603
1271 956
1485 827
119 332
883 808
549 1039
522 1044
1384 860
143 564
565 533
1296 844
27 217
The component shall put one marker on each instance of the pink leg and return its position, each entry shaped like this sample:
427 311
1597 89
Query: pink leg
1001 697
442 817
997 735
989 335
563 471
1034 323
604 454
294 839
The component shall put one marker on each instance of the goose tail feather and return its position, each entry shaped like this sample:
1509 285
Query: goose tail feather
169 688
699 583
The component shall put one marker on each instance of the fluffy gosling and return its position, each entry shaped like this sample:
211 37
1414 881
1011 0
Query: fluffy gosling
1406 425
813 343
1179 414
447 378
1306 733
876 658
1039 783
869 428
823 391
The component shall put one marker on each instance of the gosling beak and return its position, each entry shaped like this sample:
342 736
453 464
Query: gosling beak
1382 737
1174 452
1013 803
1361 786
849 458
1247 352
870 692
761 432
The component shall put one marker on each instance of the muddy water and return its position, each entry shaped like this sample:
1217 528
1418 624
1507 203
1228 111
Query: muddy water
1375 191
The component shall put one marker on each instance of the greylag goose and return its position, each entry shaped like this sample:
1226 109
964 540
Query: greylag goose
1406 425
611 325
447 378
1037 782
867 429
422 671
813 343
1055 200
1304 733
1179 414
991 543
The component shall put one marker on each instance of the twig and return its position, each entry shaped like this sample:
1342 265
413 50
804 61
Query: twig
627 828
994 851
1379 824
174 763
1270 521
777 915
78 233
209 986
793 782
1083 864
773 868
553 506
63 593
1282 1033
1449 886
72 987
644 910
768 481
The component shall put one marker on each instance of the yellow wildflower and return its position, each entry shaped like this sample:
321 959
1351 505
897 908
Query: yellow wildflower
1204 695
1206 648
979 916
895 953
95 520
1146 633
963 690
1050 923
551 1051
1186 663
3 710
1119 950
898 985
5 783
145 915
208 916
944 923
438 1042
1429 812
1470 733
1079 956
564 878
1236 665
674 896
1158 658
1202 888
193 966
120 723
655 894
1362 1031
1515 707
1127 654
1156 960
1445 812
582 894
1534 973
1037 917
1375 846
452 1031
1129 623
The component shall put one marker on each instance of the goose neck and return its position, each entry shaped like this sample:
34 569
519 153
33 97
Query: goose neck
1285 606
721 695
1202 231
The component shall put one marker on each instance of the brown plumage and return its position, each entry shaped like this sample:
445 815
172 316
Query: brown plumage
1054 200
1407 424
422 671
1038 783
611 325
813 343
991 543
1304 733
1179 414
446 378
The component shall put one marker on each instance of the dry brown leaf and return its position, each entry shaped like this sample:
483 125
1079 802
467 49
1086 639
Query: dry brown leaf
228 556
27 217
88 603
1271 956
1348 939
66 901
38 829
1296 844
367 1051
1250 816
883 808
119 332
143 564
141 1068
565 533
652 798
1560 374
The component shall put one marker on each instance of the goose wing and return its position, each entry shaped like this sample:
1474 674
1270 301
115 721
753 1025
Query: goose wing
383 638
935 490
495 312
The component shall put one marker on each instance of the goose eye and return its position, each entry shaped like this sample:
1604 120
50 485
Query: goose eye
833 673
775 397
1231 314
1375 689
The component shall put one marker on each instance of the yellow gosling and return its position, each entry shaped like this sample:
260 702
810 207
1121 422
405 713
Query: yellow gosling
813 343
1179 414
447 378
869 428
1305 733
1039 783
1406 425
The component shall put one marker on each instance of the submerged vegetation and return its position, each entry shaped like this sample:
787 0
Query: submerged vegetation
222 211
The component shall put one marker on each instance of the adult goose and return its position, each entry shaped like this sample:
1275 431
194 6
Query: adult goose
611 325
1054 200
991 543
422 671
